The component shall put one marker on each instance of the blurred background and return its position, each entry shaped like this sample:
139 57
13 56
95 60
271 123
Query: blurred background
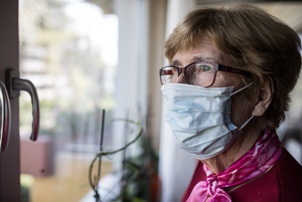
85 57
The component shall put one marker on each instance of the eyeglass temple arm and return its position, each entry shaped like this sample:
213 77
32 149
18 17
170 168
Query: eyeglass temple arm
233 70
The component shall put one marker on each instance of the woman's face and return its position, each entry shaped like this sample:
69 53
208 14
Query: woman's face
206 50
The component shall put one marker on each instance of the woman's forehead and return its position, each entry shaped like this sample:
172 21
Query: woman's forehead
204 50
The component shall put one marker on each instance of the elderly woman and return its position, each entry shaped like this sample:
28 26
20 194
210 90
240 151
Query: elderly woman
225 91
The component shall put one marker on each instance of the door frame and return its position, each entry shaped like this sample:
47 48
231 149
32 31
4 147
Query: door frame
10 189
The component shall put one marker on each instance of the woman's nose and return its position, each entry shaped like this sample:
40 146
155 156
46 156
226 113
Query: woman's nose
181 78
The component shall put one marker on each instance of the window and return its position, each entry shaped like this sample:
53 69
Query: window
68 49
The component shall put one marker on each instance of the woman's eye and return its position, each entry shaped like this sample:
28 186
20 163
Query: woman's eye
204 68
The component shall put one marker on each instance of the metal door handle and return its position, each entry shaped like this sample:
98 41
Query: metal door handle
26 85
5 118
14 84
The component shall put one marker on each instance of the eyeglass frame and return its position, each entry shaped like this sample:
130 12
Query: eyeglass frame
217 67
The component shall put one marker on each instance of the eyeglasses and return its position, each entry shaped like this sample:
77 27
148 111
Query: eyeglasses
197 73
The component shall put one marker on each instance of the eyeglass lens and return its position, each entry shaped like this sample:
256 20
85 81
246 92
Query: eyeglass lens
200 74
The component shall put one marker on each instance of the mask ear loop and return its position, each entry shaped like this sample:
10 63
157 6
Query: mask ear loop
241 89
245 123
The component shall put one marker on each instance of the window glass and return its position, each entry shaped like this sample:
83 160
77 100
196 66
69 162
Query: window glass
68 49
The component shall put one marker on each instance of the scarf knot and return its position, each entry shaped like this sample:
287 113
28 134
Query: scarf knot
209 192
212 184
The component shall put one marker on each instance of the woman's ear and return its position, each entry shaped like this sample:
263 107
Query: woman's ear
264 99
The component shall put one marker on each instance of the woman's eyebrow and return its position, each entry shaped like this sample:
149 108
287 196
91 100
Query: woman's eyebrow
203 58
175 63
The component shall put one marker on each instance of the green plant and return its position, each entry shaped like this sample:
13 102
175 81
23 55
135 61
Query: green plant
140 181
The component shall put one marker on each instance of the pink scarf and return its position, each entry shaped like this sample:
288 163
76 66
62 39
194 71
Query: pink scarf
261 157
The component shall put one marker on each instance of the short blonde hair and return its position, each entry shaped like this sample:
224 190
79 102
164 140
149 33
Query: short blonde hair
254 40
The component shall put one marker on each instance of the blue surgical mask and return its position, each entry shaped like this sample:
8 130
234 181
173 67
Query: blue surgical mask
200 118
